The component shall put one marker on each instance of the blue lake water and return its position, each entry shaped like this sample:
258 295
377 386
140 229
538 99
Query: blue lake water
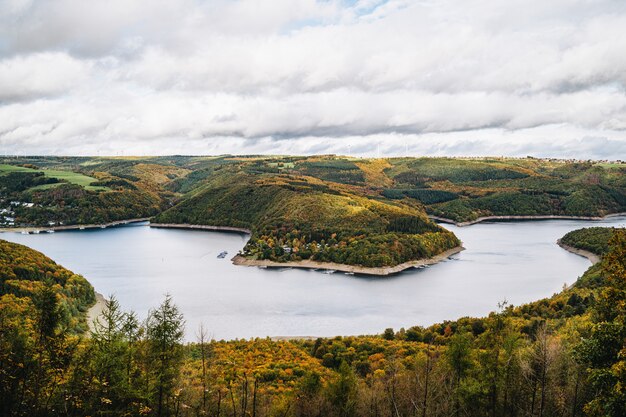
516 261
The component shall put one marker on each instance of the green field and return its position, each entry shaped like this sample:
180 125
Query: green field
5 169
65 176
612 165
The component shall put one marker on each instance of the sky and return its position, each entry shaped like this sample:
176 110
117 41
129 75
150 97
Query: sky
358 78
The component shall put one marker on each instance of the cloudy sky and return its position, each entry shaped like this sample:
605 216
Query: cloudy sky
357 77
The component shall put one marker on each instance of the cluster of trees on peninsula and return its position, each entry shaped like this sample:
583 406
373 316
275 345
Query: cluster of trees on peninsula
293 218
562 356
592 239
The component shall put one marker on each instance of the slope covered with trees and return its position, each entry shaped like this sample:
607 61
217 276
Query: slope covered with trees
66 193
562 356
367 212
26 274
466 189
592 239
296 217
454 188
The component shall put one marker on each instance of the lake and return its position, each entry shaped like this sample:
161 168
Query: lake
516 261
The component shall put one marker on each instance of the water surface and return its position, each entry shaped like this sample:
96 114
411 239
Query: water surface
516 261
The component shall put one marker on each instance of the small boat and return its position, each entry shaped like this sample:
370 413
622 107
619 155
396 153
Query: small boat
262 266
329 271
49 231
36 232
24 232
103 227
222 255
81 228
349 273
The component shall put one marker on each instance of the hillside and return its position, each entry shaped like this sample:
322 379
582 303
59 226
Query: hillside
367 212
297 217
592 239
454 188
464 190
553 357
64 193
27 276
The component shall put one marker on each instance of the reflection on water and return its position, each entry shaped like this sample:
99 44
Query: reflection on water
516 261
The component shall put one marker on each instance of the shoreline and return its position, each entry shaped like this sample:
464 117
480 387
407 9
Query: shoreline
355 269
72 226
534 217
200 227
592 257
95 310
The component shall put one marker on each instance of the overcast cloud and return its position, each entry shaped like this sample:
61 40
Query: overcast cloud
369 77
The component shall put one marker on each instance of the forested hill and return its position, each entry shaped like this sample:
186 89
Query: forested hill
562 356
62 194
592 239
455 188
34 288
368 212
464 190
295 218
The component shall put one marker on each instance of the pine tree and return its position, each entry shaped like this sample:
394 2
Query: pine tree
458 356
165 330
343 392
109 357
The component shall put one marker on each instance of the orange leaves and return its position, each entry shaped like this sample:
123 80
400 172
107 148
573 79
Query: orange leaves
278 365
23 272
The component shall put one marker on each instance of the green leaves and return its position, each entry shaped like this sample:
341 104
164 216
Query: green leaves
604 352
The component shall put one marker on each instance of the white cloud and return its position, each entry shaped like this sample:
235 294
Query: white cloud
39 75
313 76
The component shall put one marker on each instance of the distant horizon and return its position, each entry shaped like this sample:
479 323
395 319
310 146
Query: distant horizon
269 155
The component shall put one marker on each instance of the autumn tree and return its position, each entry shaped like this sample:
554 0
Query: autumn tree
605 351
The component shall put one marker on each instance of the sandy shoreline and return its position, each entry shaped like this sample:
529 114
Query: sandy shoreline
95 310
580 252
542 217
72 226
355 269
200 227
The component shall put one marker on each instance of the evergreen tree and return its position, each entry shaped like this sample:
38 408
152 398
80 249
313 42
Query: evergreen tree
458 356
343 392
165 330
110 358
